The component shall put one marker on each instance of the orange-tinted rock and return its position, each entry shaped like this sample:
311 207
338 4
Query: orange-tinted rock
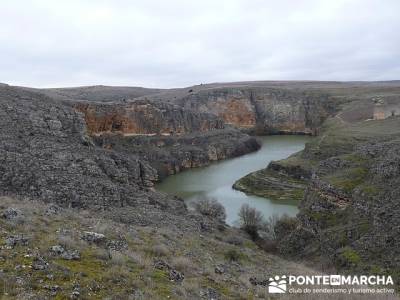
145 118
263 110
238 112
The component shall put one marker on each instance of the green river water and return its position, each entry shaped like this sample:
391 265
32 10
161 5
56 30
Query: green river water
216 180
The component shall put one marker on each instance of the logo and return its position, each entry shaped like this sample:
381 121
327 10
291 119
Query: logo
330 284
335 279
277 285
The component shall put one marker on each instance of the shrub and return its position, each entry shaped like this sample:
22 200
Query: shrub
251 220
283 226
233 255
275 229
269 227
234 240
212 208
267 245
350 257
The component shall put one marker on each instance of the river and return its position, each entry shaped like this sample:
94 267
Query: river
216 180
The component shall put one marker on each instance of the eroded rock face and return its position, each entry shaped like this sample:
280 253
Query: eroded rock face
173 154
168 137
264 110
143 117
45 153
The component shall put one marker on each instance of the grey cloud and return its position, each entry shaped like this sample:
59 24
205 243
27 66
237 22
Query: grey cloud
177 43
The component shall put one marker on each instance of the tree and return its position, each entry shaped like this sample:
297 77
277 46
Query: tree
251 220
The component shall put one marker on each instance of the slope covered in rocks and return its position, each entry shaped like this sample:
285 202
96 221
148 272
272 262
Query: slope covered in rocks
348 182
48 252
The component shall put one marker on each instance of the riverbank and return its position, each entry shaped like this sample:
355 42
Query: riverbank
216 180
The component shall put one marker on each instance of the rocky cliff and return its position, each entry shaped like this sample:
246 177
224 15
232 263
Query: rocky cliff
172 154
263 110
143 117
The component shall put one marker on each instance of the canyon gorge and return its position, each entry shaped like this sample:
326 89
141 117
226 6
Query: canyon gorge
101 150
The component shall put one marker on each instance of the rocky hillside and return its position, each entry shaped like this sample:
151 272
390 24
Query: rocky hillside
45 153
50 252
348 183
350 209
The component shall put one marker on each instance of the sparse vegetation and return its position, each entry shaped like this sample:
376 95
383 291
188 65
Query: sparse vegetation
276 227
142 268
234 255
350 257
211 207
251 220
160 250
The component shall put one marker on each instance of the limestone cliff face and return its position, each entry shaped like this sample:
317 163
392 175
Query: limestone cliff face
168 137
173 154
264 110
144 117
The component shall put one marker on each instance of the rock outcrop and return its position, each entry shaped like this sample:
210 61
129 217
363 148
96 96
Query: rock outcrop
264 110
172 154
143 117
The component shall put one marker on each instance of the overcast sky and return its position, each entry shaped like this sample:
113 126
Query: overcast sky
174 43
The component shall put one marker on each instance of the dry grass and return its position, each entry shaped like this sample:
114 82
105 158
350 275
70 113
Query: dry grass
160 250
71 242
102 254
118 258
182 264
141 260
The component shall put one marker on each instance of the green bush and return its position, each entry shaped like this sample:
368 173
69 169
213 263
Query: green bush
350 257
